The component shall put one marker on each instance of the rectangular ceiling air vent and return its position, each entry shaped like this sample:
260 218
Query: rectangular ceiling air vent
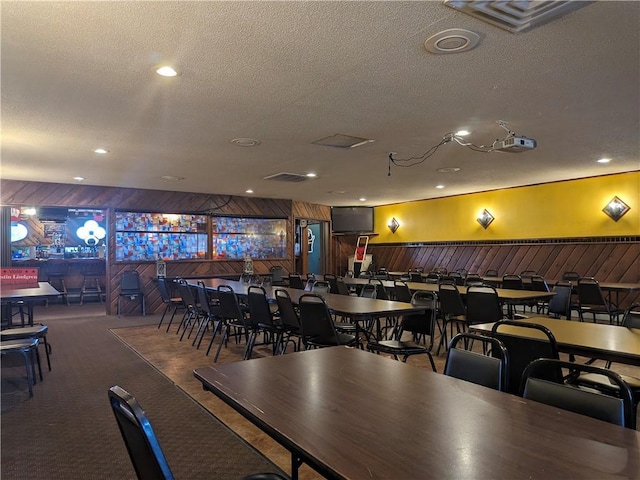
514 15
287 177
342 141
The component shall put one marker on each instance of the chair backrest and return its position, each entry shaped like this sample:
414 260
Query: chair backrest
589 292
349 274
341 287
539 284
512 281
295 281
415 275
186 293
320 287
433 277
381 291
473 280
483 304
488 370
631 317
528 273
316 322
277 274
440 270
204 302
369 291
164 290
401 292
421 323
288 315
458 277
560 303
571 276
613 409
259 310
524 347
130 282
451 304
144 450
230 306
491 273
333 282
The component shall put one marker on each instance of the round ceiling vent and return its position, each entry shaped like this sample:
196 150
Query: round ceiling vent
454 40
245 142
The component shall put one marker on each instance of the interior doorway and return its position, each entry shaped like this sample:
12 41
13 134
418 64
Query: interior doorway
312 246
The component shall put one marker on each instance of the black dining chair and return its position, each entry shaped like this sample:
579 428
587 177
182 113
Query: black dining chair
453 312
295 281
233 317
560 304
421 327
145 452
616 409
490 369
263 320
591 300
523 343
317 325
131 288
483 304
289 319
190 305
171 303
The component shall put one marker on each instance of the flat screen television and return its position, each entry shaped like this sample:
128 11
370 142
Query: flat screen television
352 219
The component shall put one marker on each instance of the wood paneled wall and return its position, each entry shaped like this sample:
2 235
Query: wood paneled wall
14 192
612 261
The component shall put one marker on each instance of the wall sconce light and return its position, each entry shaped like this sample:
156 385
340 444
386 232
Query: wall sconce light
616 208
485 218
393 225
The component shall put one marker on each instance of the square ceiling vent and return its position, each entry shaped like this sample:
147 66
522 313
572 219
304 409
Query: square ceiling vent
342 141
514 15
288 177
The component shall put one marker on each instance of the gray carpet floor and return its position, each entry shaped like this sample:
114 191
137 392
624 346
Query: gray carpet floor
67 430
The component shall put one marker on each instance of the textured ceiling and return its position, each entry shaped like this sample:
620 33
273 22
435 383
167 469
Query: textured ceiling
80 75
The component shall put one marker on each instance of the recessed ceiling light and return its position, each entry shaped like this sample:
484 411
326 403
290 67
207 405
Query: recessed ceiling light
245 142
78 179
249 191
362 199
311 175
448 169
337 192
166 71
101 151
604 160
172 178
462 133
439 186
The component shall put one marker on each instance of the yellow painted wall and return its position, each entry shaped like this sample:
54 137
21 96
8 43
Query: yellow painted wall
553 210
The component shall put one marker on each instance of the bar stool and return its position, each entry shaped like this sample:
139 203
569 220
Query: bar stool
92 276
56 274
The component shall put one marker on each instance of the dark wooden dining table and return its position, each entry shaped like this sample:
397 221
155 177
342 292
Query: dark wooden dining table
358 309
594 340
504 294
351 414
12 294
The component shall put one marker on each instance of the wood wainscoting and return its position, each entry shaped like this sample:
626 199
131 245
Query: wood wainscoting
606 259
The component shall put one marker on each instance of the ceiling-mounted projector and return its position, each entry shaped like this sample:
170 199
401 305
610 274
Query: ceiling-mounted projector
514 144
